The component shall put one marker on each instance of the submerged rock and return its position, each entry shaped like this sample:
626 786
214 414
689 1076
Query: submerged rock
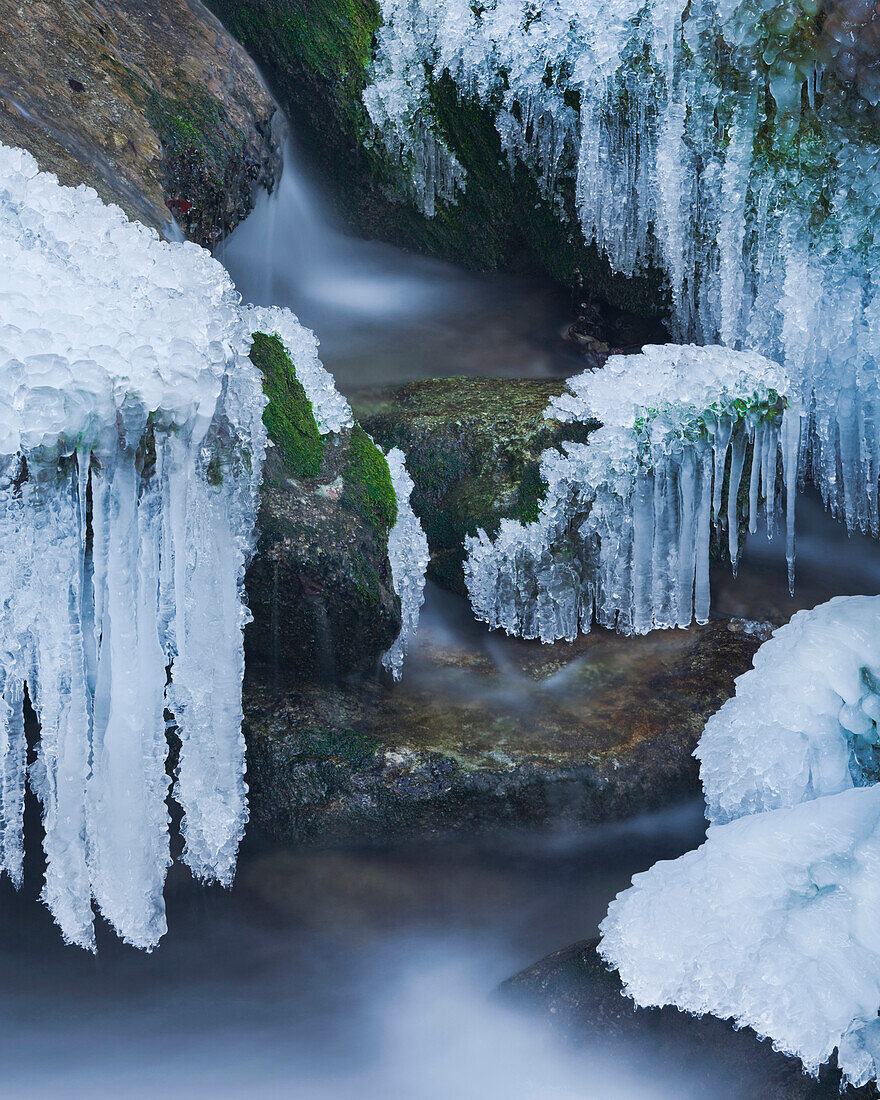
320 586
476 738
473 448
586 1003
152 104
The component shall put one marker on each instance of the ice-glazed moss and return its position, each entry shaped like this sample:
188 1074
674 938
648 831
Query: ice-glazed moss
367 482
288 417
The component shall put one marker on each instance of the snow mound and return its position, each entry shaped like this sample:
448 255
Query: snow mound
803 722
775 923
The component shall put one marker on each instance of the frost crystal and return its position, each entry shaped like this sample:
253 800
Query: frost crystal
408 555
624 527
775 920
131 446
654 114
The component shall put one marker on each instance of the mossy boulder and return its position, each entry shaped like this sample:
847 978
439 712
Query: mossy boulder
481 737
473 448
319 586
316 56
151 102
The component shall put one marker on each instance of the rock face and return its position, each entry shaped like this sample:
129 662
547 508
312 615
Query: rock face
489 732
316 55
587 1004
150 102
320 586
473 448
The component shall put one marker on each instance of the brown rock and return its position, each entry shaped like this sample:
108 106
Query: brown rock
148 101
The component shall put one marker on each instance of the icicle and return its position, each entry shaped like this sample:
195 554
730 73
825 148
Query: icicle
737 459
625 523
791 436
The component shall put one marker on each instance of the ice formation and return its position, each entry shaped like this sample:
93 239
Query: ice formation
623 534
131 445
803 722
408 555
736 145
774 920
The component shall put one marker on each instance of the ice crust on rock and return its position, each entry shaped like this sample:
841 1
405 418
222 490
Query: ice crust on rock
131 450
131 447
803 722
774 921
408 555
332 412
655 113
623 533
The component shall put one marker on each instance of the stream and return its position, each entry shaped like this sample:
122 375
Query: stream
368 972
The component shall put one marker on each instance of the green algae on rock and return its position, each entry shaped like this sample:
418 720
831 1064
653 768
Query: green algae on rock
320 586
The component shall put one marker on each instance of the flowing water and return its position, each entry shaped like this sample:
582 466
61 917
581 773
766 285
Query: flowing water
368 972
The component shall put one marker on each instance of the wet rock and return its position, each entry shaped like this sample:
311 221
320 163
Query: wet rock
585 1002
150 102
473 448
481 737
319 587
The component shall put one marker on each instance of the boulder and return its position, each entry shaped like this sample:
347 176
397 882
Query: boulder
493 734
585 1001
319 586
473 448
150 102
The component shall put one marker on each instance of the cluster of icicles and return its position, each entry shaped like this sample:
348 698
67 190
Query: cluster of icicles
623 537
654 114
131 450
774 921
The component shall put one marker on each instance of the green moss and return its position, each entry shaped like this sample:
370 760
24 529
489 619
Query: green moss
288 417
197 129
368 489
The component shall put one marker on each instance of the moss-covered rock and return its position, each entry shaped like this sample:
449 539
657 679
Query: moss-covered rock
316 55
320 585
473 448
151 103
550 736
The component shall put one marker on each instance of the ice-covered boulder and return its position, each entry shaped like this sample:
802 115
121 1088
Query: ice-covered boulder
132 441
774 920
623 530
803 722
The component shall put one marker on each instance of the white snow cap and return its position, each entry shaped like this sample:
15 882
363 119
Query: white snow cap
775 920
